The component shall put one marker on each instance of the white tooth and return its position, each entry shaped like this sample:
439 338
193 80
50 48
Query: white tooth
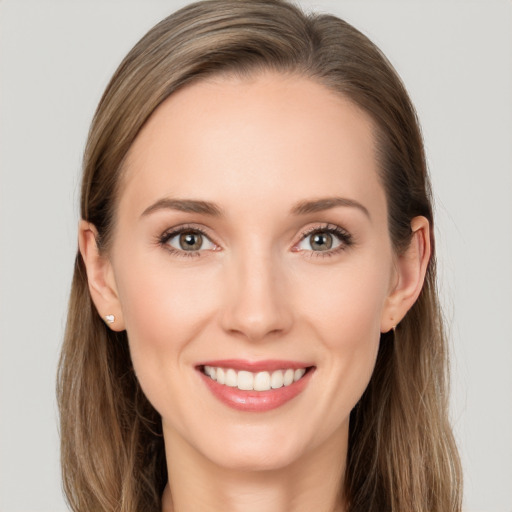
208 370
298 374
288 377
245 380
213 373
262 381
231 379
221 376
276 381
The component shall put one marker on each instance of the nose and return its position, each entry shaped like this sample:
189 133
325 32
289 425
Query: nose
256 303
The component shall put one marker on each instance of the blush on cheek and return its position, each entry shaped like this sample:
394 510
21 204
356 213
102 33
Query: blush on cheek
350 314
348 323
163 312
159 302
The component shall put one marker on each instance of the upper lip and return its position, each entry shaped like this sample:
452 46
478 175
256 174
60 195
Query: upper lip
266 365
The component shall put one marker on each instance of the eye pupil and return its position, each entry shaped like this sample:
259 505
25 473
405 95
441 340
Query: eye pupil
191 241
321 241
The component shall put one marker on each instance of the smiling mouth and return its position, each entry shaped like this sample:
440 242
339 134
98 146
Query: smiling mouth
255 386
254 381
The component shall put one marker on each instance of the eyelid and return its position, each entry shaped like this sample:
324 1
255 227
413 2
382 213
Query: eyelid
175 231
344 237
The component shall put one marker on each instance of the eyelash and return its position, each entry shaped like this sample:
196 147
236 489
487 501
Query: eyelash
168 235
343 236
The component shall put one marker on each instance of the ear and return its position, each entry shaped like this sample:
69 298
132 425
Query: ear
100 277
411 267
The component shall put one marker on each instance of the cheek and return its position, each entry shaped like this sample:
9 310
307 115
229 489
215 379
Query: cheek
163 310
348 302
159 299
345 317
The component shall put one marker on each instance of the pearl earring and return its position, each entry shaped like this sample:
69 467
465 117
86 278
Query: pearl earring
109 319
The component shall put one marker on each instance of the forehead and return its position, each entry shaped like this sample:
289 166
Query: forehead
266 137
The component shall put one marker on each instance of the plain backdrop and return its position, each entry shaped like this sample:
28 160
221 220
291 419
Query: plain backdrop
56 57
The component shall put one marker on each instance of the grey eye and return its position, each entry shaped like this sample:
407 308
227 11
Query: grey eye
190 241
320 241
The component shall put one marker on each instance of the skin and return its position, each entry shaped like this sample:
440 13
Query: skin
256 147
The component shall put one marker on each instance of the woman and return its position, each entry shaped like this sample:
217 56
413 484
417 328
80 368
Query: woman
254 322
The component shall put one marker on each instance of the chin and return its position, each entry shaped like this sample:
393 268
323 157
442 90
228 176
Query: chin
248 459
253 449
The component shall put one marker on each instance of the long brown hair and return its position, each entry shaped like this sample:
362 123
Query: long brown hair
402 456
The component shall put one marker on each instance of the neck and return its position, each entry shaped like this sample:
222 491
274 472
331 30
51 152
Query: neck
313 482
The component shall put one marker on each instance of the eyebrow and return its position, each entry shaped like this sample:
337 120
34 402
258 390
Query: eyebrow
184 205
209 208
326 203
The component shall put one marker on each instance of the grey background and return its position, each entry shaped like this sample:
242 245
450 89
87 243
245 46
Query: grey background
55 60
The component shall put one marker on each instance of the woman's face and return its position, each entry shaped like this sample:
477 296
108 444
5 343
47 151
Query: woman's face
252 238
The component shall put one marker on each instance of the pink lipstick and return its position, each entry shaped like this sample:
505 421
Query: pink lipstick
255 386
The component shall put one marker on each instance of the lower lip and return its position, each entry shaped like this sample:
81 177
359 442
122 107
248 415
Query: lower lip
256 401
